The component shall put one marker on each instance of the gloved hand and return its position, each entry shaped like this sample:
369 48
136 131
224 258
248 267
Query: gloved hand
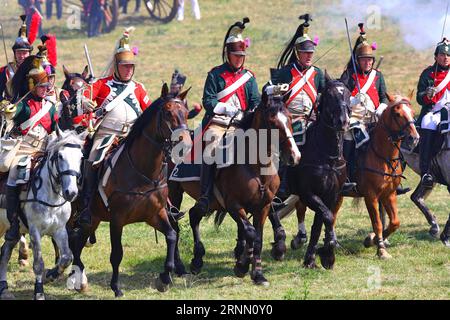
380 109
88 105
225 109
361 98
430 92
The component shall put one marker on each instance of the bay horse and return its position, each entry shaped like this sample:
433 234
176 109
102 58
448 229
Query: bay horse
47 208
249 192
136 190
379 173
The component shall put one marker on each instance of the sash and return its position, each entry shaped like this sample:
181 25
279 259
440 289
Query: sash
369 82
444 83
297 88
235 86
38 116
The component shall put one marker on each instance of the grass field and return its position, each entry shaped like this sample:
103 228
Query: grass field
420 268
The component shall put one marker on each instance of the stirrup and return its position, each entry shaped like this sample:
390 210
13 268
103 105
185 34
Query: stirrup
278 204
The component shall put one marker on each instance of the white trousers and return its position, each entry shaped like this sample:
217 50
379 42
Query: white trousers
431 121
195 10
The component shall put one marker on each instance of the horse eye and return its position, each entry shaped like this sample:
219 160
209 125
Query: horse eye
398 115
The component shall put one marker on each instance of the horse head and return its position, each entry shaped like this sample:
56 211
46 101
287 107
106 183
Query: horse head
64 152
334 105
273 114
398 118
75 81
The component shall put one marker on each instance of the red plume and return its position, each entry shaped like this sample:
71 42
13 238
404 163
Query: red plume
34 27
50 42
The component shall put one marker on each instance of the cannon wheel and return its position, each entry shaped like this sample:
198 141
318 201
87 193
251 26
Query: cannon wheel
162 10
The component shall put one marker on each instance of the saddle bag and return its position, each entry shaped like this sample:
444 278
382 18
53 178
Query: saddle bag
8 151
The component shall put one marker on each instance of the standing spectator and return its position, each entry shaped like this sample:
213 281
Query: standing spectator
124 5
49 7
195 10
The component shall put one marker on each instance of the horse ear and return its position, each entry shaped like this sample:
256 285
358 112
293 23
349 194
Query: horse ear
85 72
411 95
164 90
327 76
82 135
390 97
58 132
183 94
66 72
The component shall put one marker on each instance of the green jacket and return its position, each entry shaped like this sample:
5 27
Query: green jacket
215 83
380 84
26 109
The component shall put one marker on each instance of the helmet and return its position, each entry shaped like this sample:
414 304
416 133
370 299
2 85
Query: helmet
234 42
22 42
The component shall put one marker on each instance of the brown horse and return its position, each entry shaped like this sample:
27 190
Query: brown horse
137 189
248 191
379 173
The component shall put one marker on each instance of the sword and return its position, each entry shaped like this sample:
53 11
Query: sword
353 57
4 44
91 128
379 62
442 37
88 58
322 56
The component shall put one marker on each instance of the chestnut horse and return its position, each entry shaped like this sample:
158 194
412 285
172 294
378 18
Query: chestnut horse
137 189
379 173
249 191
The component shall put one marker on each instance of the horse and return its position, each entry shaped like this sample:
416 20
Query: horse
47 208
249 192
379 172
441 171
136 190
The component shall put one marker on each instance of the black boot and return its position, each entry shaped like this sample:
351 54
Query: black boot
350 157
206 187
427 138
90 181
12 212
445 235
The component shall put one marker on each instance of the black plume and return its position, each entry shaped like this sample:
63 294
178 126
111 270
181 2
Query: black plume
19 81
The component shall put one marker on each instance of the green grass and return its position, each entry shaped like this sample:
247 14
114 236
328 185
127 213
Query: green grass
420 268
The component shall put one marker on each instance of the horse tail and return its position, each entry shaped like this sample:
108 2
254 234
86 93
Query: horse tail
219 217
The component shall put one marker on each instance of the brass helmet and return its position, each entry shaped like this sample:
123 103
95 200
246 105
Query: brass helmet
362 47
234 42
22 43
38 75
124 54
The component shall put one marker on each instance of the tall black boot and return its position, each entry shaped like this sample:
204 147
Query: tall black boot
445 235
427 138
90 181
350 157
206 187
12 212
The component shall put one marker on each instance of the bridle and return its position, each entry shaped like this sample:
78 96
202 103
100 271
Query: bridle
397 135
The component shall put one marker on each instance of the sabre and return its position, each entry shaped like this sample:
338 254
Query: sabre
91 128
322 56
88 58
379 62
353 57
4 44
442 37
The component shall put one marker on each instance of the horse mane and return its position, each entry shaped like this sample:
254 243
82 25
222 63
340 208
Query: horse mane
246 122
143 120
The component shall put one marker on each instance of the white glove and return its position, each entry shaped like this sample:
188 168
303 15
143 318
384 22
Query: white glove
88 105
430 92
380 109
225 109
361 98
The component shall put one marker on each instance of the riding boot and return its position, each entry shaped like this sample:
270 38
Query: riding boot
427 138
12 212
90 181
349 156
283 192
206 187
445 235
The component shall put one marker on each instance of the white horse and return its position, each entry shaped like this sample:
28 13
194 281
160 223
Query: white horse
47 208
442 163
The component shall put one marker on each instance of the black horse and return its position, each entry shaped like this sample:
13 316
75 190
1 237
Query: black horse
319 177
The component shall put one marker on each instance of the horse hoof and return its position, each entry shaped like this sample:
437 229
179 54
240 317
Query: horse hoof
39 296
240 271
7 295
277 253
195 269
445 240
77 280
23 263
327 257
118 293
51 275
161 286
370 240
260 280
310 263
383 254
434 231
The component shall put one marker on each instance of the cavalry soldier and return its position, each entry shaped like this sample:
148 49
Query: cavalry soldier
34 120
229 89
176 86
51 61
433 94
118 100
21 50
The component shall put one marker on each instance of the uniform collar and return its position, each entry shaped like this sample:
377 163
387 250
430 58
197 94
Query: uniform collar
301 67
233 70
440 68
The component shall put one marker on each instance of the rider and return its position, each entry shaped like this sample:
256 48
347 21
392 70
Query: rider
51 60
34 120
176 86
229 89
119 101
433 93
21 50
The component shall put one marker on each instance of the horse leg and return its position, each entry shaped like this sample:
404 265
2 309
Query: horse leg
5 256
199 249
115 232
243 262
240 241
390 205
418 197
279 245
61 242
301 238
180 270
57 252
372 208
164 280
310 255
77 279
23 251
257 273
38 263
